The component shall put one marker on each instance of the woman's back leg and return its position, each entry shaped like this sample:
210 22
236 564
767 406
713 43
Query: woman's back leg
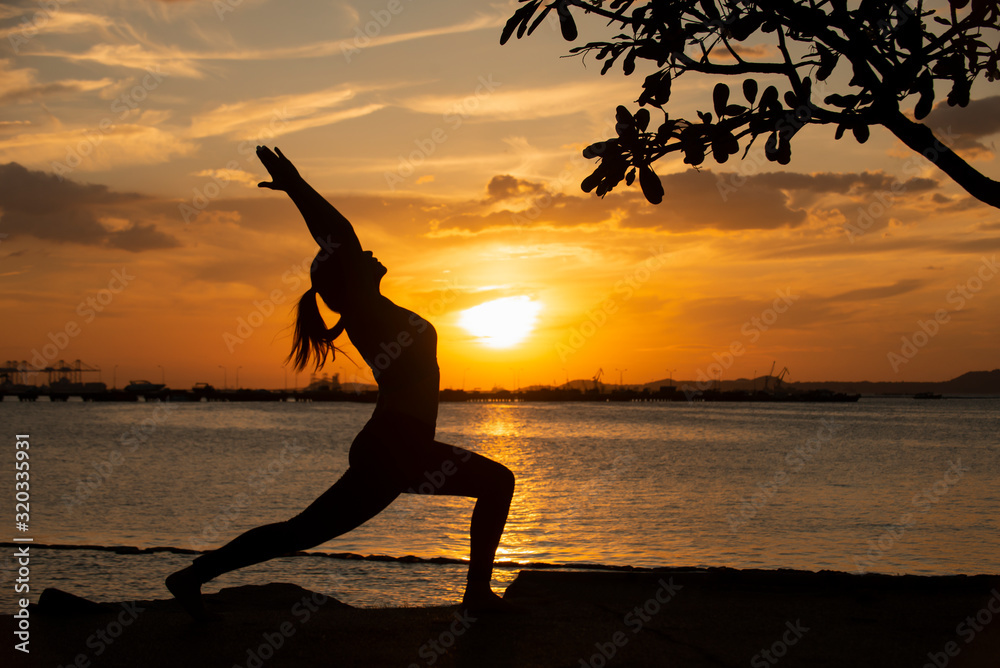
347 504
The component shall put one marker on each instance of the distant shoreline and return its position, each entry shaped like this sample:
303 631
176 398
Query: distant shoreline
974 384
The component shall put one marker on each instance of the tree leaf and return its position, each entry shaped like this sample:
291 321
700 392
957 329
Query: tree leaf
595 150
724 144
909 33
959 95
843 101
771 146
538 20
656 89
827 62
642 119
720 96
769 97
760 125
513 22
623 116
734 109
694 152
861 132
784 154
720 154
651 185
745 26
566 23
591 181
750 90
629 65
711 11
926 101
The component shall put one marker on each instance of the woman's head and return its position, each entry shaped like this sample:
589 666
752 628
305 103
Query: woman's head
343 287
346 285
329 280
312 338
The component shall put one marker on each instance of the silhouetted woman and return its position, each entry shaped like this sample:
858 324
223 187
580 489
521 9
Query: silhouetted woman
395 451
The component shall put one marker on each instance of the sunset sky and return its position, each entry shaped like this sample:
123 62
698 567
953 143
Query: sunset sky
132 232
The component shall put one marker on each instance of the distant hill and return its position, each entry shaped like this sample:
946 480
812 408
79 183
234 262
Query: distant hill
977 383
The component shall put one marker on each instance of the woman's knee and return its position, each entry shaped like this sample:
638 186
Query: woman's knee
504 480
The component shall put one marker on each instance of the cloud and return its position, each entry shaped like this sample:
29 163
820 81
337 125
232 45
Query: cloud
843 183
694 200
46 207
40 19
139 237
693 208
900 287
963 127
231 175
140 53
173 61
21 85
282 114
733 317
506 186
887 246
121 136
755 53
487 98
96 148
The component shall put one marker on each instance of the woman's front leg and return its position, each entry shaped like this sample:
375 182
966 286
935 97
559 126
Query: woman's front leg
453 471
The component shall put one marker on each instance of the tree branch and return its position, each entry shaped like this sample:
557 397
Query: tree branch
745 68
595 9
920 138
733 51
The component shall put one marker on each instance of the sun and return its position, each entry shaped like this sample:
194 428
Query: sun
501 323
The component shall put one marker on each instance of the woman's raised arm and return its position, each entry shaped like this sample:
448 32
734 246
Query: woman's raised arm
328 226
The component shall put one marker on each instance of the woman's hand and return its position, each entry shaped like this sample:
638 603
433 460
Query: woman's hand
282 171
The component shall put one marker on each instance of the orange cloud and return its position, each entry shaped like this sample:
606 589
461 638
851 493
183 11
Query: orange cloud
61 210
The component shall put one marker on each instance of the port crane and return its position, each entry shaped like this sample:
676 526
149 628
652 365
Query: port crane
61 372
767 378
781 376
597 380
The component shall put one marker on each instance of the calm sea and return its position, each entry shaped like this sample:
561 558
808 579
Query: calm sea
884 485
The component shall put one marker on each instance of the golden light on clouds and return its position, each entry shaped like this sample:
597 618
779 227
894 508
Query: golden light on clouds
503 322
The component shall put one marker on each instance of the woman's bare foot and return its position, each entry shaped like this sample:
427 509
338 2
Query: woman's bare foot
483 599
186 588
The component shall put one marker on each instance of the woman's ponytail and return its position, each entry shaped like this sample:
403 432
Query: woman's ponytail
312 338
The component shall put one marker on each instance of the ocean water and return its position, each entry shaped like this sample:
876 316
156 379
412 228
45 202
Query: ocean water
883 485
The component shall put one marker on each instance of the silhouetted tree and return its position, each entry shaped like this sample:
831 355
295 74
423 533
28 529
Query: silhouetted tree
892 49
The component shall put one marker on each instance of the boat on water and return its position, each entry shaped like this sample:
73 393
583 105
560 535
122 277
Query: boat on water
143 387
926 395
815 396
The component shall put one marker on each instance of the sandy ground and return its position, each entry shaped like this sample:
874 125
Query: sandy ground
689 617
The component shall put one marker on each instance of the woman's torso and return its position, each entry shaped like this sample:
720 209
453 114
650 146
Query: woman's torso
401 349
